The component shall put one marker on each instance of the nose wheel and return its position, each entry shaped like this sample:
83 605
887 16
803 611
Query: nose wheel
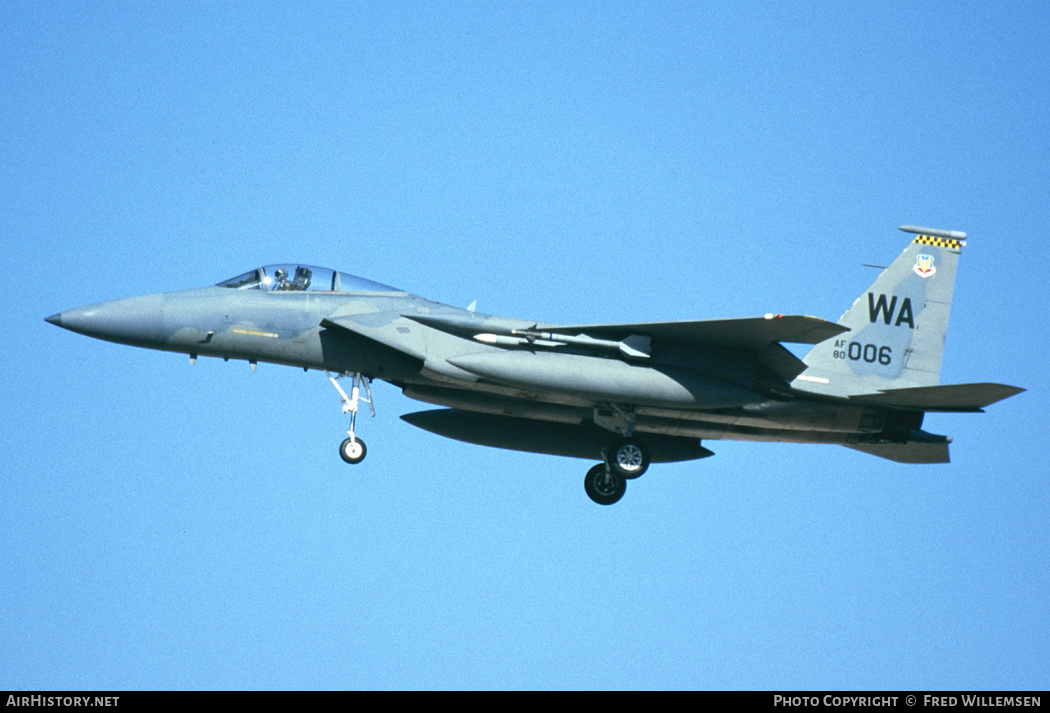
352 450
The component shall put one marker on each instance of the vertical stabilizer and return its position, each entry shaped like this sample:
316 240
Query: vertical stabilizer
897 326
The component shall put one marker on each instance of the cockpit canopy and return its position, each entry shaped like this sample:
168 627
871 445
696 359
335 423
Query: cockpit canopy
291 277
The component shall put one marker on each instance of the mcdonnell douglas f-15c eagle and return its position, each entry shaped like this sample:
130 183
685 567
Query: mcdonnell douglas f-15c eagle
625 394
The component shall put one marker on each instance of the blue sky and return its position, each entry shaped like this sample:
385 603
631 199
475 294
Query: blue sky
169 526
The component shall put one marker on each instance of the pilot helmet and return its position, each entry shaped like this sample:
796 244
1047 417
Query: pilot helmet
281 273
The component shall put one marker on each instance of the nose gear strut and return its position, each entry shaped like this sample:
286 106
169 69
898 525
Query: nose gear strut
353 450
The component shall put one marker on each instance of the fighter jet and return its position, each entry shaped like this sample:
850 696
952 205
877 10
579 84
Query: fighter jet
625 395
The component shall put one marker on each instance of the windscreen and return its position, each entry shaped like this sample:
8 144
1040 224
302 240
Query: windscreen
291 277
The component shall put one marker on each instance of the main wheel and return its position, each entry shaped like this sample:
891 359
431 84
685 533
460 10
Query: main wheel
603 485
629 458
353 451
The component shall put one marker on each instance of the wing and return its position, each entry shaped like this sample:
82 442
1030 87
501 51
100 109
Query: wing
761 335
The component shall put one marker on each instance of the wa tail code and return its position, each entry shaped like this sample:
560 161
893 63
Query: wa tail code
877 308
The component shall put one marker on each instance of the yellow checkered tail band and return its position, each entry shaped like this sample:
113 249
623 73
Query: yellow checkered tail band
940 242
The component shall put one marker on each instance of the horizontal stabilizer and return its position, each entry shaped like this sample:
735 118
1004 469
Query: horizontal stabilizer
751 333
906 452
954 397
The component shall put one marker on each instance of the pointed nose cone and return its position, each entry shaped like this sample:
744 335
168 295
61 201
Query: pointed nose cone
138 320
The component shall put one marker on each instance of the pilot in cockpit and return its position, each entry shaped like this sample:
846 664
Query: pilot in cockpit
281 282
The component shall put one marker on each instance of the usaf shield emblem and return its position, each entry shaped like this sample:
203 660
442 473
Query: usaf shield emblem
924 266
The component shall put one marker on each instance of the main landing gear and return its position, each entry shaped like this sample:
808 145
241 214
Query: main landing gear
628 458
353 450
625 459
603 486
606 482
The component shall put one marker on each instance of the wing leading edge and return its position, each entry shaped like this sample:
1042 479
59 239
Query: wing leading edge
750 333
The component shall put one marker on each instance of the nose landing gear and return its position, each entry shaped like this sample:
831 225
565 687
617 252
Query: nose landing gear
353 450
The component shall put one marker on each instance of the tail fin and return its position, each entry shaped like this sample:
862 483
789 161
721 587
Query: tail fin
897 326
